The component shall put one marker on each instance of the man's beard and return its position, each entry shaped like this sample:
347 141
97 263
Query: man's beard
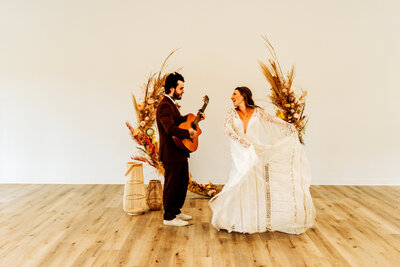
177 96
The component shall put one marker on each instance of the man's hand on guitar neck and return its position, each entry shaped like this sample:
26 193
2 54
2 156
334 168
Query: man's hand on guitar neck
193 133
203 115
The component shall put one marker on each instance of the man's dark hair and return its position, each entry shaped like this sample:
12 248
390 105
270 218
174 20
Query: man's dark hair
172 81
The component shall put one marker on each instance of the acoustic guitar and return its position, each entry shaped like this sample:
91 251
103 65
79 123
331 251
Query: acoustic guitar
192 121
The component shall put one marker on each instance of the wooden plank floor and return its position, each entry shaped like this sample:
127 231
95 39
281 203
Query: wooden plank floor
84 225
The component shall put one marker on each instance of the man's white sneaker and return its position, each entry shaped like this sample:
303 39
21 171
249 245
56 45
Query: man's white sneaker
175 222
184 216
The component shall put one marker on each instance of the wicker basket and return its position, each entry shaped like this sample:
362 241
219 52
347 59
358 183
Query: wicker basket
134 202
154 195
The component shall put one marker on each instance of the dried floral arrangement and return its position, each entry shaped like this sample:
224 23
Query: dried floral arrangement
289 104
208 190
144 134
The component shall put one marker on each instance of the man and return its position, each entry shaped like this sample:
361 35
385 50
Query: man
174 159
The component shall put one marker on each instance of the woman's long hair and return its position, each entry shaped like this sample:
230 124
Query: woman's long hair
247 96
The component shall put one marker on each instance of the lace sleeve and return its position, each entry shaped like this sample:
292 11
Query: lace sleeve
290 129
230 132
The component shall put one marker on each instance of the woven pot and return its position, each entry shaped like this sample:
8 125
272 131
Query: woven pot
154 195
134 202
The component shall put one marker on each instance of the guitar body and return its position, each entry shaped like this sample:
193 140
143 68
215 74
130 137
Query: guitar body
189 145
192 121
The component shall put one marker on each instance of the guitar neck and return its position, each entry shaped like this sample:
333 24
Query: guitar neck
198 117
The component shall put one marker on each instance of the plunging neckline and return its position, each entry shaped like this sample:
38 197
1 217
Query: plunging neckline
248 122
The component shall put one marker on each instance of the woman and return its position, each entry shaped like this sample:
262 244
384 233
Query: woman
268 186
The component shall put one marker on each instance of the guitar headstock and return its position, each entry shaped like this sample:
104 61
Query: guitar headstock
206 99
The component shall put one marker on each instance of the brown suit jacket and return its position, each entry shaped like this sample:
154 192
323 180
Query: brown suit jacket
168 119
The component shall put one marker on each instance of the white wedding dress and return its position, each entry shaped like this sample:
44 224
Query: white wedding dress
268 186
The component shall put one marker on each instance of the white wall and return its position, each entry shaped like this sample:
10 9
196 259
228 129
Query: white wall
67 69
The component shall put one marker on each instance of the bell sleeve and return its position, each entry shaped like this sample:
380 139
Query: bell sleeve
288 128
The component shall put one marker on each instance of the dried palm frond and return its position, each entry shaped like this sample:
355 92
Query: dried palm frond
135 106
288 105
